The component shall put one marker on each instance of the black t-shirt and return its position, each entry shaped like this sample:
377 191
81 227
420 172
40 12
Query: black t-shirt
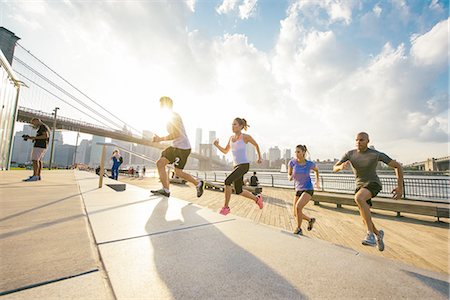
253 181
42 143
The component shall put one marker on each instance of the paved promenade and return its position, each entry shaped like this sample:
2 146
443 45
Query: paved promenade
45 242
412 239
151 247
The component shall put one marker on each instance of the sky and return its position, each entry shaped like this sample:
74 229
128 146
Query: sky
300 72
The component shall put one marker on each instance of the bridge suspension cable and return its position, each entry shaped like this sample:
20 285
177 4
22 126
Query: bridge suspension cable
104 117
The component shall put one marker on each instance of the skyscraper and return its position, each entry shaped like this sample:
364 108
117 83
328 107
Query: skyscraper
212 138
96 151
21 152
198 139
274 154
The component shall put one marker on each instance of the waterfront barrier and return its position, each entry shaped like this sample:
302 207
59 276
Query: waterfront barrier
438 210
418 188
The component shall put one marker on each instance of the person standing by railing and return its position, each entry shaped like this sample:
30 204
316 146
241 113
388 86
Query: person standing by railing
364 163
117 161
40 147
238 145
299 170
176 154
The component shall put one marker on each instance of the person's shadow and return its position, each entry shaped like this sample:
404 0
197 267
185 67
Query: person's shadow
201 262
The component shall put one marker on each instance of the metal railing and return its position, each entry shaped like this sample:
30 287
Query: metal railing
420 188
102 161
436 189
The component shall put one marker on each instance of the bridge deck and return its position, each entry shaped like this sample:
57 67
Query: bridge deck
415 240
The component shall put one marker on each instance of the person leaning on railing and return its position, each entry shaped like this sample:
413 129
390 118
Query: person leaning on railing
364 163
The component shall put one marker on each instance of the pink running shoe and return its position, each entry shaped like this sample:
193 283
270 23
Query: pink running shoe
259 201
225 211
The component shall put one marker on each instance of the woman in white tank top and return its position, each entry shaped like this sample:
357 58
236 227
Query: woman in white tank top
238 145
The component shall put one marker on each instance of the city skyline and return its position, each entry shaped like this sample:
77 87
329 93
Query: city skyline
70 139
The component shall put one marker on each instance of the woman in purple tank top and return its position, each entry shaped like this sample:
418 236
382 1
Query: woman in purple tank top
299 170
238 145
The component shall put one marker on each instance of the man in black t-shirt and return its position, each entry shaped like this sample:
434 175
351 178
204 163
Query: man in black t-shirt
254 180
40 147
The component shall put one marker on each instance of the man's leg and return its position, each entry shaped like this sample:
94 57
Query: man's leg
35 168
161 165
39 167
188 177
361 198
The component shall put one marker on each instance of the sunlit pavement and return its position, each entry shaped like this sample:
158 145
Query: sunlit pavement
152 247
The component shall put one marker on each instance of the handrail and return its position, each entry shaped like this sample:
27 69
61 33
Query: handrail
128 151
102 162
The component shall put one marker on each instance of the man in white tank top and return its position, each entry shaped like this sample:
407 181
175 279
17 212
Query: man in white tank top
176 154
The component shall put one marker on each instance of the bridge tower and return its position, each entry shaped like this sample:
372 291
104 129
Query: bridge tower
8 43
205 164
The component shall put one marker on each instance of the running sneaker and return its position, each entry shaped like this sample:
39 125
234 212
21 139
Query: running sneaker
311 223
298 231
380 242
200 188
161 192
369 240
32 178
225 211
259 201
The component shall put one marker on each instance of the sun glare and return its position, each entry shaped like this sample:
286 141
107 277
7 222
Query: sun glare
160 121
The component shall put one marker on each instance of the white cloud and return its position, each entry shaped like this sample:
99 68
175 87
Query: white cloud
377 10
191 5
337 10
432 47
226 7
436 6
403 11
247 9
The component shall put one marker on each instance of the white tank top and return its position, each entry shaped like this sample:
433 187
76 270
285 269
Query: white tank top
239 150
181 142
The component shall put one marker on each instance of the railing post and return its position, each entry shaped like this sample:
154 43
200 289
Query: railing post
102 167
205 176
215 178
272 179
404 190
321 183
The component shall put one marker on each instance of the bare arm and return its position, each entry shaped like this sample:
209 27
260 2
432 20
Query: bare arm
43 136
339 166
254 143
174 131
289 172
316 172
398 191
223 150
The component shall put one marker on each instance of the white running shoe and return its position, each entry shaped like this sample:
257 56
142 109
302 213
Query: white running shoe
369 240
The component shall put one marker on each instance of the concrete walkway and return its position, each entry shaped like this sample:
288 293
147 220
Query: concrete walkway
45 243
158 248
151 247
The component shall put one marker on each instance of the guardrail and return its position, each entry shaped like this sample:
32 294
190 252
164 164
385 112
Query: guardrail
420 189
102 161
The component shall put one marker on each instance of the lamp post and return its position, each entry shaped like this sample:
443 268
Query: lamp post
53 137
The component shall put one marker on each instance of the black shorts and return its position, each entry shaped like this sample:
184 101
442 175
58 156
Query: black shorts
373 187
299 193
237 176
176 156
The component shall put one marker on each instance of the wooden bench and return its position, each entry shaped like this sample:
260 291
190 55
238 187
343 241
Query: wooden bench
177 180
438 210
217 186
